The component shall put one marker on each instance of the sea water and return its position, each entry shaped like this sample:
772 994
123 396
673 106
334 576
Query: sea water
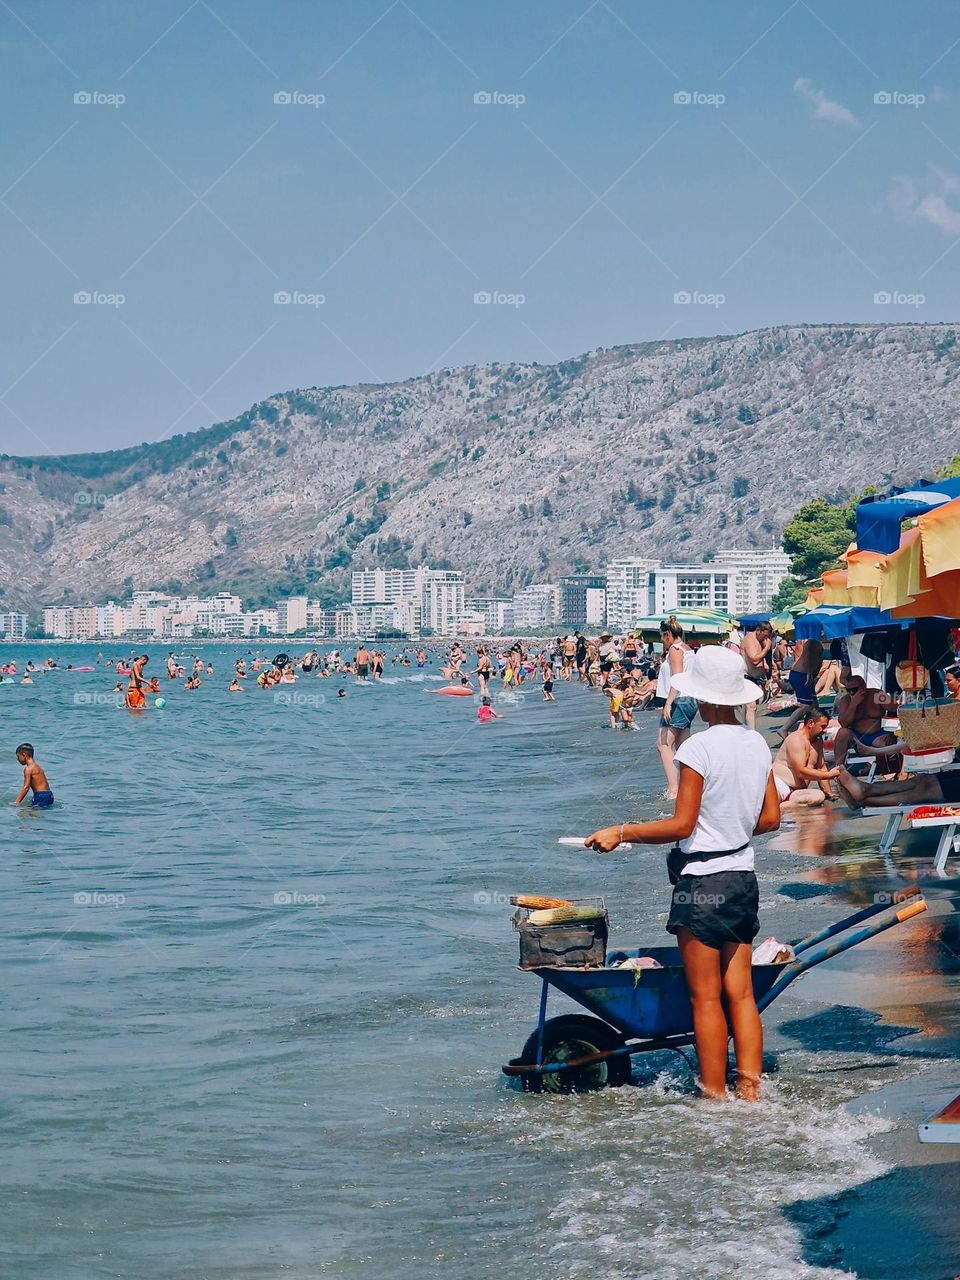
259 979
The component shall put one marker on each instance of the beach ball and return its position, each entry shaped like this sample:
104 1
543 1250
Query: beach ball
159 703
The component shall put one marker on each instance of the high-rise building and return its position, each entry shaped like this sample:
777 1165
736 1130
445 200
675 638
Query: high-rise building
443 600
583 600
388 586
693 586
291 615
759 574
629 591
13 626
496 612
536 606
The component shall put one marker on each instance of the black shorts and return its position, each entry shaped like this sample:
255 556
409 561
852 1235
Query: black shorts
949 781
717 908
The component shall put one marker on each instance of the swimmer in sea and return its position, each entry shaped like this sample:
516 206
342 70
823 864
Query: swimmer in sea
486 712
341 693
33 779
235 685
171 667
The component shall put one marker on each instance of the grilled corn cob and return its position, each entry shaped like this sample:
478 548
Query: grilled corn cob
534 900
565 915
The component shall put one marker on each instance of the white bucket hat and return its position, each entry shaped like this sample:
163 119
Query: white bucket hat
718 676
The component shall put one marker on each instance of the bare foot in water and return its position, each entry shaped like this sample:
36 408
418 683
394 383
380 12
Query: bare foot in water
851 788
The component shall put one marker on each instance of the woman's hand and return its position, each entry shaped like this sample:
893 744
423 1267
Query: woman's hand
604 840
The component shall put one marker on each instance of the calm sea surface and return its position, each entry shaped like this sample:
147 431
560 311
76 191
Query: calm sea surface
259 979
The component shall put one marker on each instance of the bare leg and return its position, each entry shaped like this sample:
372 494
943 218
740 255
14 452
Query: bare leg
806 798
841 745
736 960
881 795
666 744
702 967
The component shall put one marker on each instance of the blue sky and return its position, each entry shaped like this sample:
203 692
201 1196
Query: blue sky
382 198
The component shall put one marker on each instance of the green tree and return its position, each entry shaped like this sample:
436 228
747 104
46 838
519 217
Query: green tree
950 470
791 592
817 535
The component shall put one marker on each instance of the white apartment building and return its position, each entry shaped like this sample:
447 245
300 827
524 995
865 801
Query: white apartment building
759 574
443 601
496 611
291 615
629 591
694 586
536 606
387 586
13 626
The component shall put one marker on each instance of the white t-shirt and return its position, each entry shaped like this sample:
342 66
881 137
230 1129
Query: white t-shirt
734 762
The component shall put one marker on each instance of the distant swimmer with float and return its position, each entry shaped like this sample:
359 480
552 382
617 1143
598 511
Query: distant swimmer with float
34 779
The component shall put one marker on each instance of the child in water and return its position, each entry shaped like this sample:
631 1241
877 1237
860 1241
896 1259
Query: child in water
486 712
33 778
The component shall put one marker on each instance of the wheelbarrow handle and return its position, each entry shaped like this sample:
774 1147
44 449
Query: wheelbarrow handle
848 922
828 949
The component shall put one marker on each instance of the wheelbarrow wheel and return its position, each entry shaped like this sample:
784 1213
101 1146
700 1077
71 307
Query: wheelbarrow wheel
575 1036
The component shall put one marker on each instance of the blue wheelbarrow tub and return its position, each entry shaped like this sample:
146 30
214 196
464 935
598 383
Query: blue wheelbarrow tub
650 1004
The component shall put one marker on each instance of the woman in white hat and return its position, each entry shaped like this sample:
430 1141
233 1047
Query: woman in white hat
726 795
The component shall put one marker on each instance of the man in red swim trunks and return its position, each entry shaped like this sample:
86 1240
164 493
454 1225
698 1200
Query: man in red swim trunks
799 769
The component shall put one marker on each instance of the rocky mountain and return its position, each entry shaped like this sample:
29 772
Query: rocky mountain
514 472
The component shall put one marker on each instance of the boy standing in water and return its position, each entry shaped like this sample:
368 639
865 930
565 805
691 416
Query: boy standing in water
33 777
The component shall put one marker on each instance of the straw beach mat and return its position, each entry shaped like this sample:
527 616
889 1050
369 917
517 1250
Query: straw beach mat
931 725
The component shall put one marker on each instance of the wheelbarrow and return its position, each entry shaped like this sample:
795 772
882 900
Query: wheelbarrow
642 1010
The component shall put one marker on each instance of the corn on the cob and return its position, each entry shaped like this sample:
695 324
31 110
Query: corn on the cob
565 915
534 900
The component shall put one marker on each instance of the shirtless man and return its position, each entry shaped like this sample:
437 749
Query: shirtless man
799 770
569 656
363 662
860 711
755 651
135 696
807 661
171 667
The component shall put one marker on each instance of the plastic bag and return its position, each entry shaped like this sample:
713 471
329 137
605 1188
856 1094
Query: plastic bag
770 951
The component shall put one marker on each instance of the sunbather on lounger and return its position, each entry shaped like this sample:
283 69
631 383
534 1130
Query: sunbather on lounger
925 788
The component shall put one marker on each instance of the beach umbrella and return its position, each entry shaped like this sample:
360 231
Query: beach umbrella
879 517
705 622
